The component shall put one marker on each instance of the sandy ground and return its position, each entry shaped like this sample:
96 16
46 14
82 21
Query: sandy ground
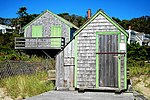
142 85
4 95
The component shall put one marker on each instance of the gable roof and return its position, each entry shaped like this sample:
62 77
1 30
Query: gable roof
55 15
90 20
107 17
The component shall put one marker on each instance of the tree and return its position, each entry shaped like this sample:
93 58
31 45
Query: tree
141 24
22 12
75 19
116 19
23 17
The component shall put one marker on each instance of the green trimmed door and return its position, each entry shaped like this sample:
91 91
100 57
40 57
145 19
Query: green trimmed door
36 31
56 34
107 59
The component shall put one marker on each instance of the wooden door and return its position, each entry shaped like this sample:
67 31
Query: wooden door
108 60
68 72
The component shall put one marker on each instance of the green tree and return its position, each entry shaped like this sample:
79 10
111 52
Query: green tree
137 52
75 19
22 12
23 17
141 24
116 19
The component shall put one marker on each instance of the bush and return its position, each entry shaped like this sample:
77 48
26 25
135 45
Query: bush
137 52
137 68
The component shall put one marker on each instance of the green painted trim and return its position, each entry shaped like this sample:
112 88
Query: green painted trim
125 66
111 32
107 17
76 63
119 63
97 58
55 15
114 23
56 31
97 62
86 23
37 31
63 20
34 20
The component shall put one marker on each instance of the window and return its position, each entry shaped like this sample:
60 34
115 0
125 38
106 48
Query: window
56 32
36 31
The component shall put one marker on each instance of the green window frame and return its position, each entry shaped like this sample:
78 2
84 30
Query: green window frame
37 31
56 32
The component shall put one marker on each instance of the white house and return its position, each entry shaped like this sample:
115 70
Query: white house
138 37
4 28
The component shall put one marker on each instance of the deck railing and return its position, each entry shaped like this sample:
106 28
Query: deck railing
39 42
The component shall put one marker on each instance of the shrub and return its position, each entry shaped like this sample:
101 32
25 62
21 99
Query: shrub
137 52
137 68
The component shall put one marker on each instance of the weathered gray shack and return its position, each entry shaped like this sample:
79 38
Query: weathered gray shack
95 58
47 31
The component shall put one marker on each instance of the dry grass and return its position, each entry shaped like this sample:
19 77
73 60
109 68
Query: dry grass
27 85
142 84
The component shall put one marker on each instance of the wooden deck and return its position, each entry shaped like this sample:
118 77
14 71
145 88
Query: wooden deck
39 42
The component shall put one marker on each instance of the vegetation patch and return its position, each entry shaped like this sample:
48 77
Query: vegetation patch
141 84
137 68
27 85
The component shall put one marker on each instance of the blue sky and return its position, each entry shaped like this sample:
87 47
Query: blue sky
122 9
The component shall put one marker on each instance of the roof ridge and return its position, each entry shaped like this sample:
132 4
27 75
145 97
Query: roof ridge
68 22
62 19
100 11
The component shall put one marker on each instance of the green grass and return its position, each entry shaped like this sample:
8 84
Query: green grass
27 85
137 68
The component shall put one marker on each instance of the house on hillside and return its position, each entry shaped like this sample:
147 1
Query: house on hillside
47 31
96 57
138 37
6 29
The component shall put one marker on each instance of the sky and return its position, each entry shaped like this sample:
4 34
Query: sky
122 9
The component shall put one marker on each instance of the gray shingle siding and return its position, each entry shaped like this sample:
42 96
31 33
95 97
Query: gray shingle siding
87 50
47 20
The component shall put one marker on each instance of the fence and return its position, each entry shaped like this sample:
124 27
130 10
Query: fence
39 42
25 78
12 68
